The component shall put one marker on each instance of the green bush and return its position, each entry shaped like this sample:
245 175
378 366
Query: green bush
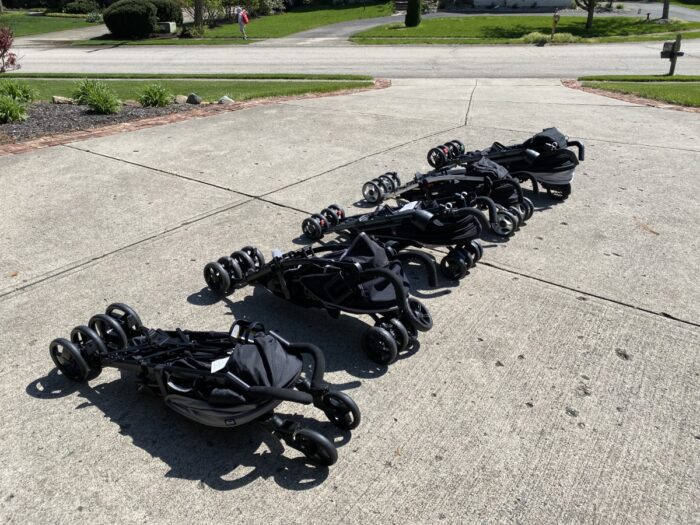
565 38
535 38
155 96
97 95
131 18
11 110
167 11
82 7
413 13
94 18
19 91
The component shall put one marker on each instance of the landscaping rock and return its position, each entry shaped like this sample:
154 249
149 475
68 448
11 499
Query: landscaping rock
193 98
225 100
62 100
180 99
131 103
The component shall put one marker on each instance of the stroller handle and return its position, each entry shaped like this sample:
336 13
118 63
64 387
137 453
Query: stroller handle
578 145
424 259
319 360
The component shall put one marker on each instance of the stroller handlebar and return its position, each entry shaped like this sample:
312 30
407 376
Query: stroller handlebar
578 145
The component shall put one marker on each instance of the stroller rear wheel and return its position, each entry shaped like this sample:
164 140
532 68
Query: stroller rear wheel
387 182
68 359
316 447
90 345
312 229
505 225
372 192
256 255
559 192
109 330
398 330
127 317
437 157
419 315
341 410
519 214
529 208
476 250
380 345
217 278
454 267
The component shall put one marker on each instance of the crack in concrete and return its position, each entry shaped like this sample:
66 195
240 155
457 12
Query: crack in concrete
471 97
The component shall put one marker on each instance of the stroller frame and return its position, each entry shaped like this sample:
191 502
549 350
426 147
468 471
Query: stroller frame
118 339
396 328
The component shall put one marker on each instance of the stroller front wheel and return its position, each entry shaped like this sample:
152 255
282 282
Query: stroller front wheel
316 447
505 224
217 277
312 229
419 315
372 192
126 316
341 410
454 267
559 192
68 359
380 345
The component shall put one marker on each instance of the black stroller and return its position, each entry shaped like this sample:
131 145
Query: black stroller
419 224
362 278
479 177
542 159
219 379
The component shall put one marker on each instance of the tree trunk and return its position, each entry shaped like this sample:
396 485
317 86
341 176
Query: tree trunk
591 11
2 8
664 14
199 14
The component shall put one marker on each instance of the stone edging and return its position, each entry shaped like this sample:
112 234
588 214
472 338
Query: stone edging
201 112
634 99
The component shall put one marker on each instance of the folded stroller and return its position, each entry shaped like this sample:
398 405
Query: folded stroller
542 159
418 223
479 176
361 278
219 379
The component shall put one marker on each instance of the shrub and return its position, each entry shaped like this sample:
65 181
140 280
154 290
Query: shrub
97 95
11 110
81 7
8 60
535 38
131 18
155 96
413 15
265 7
94 18
21 92
565 38
167 11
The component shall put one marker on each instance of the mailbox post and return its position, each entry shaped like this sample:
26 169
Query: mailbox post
672 50
555 21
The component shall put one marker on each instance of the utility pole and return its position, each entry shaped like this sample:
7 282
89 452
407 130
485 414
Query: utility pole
664 14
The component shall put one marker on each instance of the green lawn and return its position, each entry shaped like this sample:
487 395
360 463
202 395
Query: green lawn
210 90
179 76
643 78
690 4
682 93
23 24
510 30
299 19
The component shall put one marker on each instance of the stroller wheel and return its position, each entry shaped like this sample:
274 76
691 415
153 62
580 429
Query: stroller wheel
217 277
380 345
312 229
231 267
395 178
316 447
476 250
109 330
420 315
396 329
514 210
127 317
387 183
505 224
372 192
454 266
459 146
559 192
244 260
331 216
436 157
68 359
256 255
341 410
339 211
529 208
90 344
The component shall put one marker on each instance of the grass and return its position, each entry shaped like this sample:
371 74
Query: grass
681 93
690 4
24 24
207 89
511 29
299 19
201 76
642 78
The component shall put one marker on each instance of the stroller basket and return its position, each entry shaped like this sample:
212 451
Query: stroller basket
220 379
363 277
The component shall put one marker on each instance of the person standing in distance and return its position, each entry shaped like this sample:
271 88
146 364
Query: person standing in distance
242 19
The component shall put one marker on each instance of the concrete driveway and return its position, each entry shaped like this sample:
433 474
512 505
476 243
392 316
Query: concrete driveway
559 384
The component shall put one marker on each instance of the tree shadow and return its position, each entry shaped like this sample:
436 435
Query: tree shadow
220 458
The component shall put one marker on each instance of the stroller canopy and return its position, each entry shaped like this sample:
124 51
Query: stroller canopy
264 363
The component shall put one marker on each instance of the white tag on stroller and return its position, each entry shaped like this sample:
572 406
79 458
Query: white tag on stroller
409 206
219 364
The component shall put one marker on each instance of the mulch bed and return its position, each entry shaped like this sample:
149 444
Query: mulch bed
49 119
133 119
633 99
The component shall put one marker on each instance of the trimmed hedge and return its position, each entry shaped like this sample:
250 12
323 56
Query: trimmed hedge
81 7
167 11
131 18
413 13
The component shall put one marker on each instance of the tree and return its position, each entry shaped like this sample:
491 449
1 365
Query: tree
588 5
413 13
199 14
2 8
664 14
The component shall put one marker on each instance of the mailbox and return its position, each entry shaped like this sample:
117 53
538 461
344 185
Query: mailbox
671 51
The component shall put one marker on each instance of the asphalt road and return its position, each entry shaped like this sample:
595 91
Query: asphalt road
380 61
